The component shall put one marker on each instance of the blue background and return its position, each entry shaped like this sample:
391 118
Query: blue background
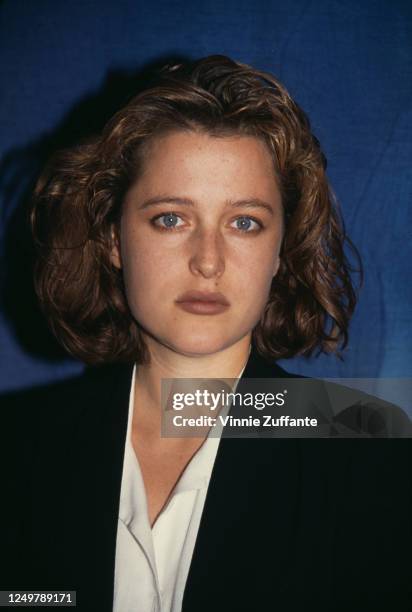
66 66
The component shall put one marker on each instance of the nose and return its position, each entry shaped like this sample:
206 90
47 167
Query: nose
207 255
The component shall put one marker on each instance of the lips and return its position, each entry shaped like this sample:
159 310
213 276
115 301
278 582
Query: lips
202 302
203 296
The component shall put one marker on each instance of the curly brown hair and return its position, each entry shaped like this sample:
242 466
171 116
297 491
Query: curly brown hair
78 201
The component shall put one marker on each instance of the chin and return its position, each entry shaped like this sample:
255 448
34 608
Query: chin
196 349
202 344
195 346
198 340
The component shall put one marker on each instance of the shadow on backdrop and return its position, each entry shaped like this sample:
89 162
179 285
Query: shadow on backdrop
19 171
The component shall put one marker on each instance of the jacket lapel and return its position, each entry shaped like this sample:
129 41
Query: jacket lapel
254 483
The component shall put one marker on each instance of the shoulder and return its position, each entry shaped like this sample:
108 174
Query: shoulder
342 411
50 414
94 381
353 412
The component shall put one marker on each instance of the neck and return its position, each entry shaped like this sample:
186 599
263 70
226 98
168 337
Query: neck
166 363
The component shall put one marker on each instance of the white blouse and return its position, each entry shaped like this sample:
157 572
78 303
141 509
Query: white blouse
152 564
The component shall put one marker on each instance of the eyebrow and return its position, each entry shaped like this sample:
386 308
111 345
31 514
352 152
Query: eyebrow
246 203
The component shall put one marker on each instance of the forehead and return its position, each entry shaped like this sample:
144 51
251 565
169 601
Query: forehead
195 161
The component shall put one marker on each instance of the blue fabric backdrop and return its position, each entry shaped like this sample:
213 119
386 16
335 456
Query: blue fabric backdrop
67 65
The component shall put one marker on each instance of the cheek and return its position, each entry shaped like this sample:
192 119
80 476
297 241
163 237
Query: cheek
257 288
258 268
256 280
149 272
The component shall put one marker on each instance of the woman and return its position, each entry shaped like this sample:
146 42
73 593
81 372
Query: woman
196 237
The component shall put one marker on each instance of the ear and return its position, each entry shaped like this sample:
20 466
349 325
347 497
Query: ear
115 254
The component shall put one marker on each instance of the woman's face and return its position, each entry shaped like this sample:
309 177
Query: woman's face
204 216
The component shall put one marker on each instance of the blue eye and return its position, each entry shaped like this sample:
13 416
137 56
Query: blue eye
245 224
166 221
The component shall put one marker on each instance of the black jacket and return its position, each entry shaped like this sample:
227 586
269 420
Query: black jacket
288 524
